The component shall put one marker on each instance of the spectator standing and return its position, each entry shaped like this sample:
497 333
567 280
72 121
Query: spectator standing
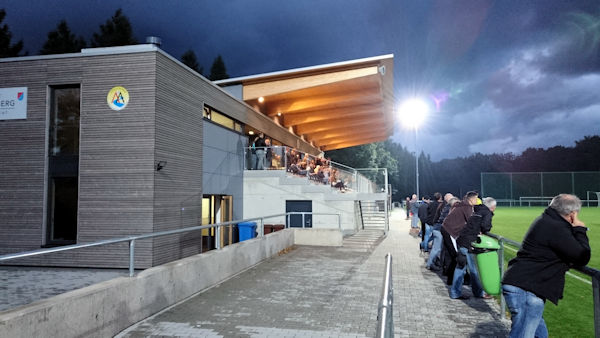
479 222
555 242
407 206
432 209
451 228
260 145
436 248
422 213
414 210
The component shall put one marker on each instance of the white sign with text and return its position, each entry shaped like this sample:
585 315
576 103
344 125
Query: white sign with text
13 103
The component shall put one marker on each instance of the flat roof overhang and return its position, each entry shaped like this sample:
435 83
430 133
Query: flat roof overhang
334 106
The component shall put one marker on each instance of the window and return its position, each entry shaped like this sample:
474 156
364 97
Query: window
63 165
64 121
221 119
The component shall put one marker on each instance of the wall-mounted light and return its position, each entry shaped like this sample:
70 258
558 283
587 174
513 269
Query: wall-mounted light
261 99
251 132
160 165
278 113
381 70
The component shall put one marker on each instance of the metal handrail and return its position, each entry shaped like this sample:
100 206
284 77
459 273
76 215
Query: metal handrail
593 273
385 311
132 239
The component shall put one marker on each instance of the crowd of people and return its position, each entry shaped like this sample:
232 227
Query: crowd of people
448 226
316 168
555 242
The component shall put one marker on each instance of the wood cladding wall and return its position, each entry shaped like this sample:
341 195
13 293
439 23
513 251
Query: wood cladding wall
120 191
178 141
115 164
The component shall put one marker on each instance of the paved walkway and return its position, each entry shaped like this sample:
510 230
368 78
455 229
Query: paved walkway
329 292
20 285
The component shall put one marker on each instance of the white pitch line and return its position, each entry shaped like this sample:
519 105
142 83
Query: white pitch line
568 273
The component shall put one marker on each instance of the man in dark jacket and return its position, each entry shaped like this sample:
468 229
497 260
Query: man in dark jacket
479 222
432 208
423 215
451 228
555 242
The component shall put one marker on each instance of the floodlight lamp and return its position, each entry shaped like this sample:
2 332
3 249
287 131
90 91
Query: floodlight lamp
413 112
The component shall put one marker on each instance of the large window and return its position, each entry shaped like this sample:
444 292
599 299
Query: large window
63 165
215 116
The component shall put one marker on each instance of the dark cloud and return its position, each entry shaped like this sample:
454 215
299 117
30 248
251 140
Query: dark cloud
513 73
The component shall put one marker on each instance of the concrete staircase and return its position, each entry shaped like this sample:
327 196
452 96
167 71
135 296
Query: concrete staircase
363 241
373 214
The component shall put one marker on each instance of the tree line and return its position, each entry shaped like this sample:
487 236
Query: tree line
462 174
116 31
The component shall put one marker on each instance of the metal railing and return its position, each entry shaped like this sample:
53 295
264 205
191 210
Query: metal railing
385 311
132 239
366 180
593 273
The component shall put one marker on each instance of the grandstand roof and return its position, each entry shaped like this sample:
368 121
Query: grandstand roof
334 106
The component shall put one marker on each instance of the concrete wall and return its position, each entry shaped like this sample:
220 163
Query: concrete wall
318 237
104 309
265 193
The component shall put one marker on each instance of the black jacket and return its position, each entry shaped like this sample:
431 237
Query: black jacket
423 211
431 209
550 247
479 222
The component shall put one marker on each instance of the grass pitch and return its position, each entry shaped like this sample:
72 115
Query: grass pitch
574 317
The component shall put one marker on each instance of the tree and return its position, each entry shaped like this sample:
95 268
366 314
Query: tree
189 59
62 40
115 32
218 70
6 49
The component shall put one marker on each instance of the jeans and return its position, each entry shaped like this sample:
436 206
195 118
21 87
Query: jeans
414 221
459 276
261 159
526 311
436 249
425 242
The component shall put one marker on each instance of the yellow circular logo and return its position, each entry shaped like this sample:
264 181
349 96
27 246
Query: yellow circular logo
117 98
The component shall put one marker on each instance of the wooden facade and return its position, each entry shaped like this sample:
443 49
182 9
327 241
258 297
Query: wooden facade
120 191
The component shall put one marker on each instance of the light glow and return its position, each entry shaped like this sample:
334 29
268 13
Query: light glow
261 99
413 112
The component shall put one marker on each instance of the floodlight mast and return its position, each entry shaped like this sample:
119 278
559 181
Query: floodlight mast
412 114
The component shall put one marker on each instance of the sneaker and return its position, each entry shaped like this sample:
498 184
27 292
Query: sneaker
461 297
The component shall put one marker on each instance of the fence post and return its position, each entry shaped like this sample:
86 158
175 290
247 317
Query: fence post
501 263
596 288
261 231
131 257
218 236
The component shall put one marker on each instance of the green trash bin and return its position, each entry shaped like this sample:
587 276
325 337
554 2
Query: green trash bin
486 249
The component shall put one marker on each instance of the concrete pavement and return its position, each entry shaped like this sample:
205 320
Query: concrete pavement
329 292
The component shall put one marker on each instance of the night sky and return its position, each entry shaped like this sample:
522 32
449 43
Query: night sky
506 75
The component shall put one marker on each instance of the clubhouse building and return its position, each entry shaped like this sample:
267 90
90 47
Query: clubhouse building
117 141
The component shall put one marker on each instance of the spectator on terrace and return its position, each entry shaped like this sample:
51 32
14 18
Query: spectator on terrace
479 222
432 210
451 228
422 213
436 234
268 154
414 210
555 242
260 152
